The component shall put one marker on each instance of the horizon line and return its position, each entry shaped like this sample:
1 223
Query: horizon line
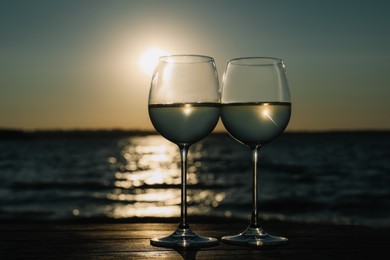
135 130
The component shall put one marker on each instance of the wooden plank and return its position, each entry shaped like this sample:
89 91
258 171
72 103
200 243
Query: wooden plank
121 240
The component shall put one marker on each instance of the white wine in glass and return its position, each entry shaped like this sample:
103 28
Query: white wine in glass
184 107
255 109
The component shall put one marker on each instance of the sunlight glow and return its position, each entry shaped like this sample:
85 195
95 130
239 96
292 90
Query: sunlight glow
266 113
144 209
148 177
149 60
187 109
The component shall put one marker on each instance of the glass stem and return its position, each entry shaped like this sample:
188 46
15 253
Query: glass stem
183 212
255 211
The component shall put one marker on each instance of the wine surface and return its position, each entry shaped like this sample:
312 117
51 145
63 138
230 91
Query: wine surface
186 123
255 123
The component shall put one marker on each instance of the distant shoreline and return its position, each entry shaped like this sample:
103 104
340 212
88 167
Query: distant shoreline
12 134
36 134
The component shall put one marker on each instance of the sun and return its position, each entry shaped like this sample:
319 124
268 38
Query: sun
149 60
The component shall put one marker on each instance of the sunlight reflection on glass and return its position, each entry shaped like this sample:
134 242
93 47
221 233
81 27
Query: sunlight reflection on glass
266 112
187 109
167 75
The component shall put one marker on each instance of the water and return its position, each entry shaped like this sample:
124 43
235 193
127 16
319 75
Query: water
318 177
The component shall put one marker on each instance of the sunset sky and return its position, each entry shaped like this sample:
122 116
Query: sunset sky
77 64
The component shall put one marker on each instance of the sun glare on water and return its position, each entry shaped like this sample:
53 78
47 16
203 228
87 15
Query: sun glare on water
149 60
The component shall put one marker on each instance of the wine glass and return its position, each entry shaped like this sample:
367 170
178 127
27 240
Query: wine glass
184 107
255 109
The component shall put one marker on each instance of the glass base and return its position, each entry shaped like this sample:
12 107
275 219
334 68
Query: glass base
183 238
254 237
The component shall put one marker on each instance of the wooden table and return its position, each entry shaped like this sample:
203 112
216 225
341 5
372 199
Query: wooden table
131 241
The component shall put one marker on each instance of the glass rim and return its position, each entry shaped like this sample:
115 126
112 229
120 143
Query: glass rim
186 58
255 61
